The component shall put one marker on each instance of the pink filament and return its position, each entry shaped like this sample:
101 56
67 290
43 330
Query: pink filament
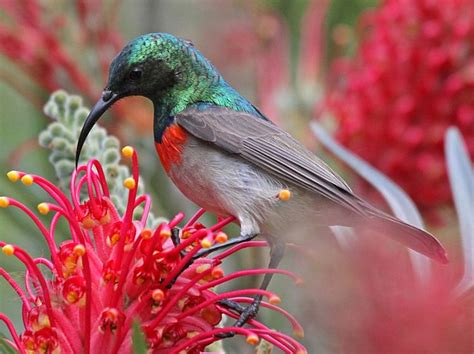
102 179
294 323
180 266
212 333
18 290
177 297
49 240
194 218
247 272
146 209
221 296
93 184
31 266
239 247
12 331
176 220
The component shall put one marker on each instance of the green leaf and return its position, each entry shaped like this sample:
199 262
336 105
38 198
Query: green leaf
138 340
5 348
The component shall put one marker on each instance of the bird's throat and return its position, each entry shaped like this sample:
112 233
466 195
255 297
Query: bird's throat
162 119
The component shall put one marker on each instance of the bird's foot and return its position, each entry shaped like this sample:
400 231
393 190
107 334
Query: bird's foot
246 314
249 313
232 305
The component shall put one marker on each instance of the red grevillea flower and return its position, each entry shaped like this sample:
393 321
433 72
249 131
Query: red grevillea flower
114 270
413 76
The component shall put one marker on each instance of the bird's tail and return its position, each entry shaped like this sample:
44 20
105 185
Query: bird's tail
411 236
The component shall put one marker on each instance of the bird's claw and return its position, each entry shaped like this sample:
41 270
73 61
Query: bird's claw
249 313
246 313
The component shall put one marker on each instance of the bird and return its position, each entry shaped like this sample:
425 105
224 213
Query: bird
230 159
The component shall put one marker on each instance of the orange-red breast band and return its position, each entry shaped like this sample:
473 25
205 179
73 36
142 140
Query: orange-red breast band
171 146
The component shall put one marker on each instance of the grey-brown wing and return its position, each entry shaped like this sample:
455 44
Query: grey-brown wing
265 145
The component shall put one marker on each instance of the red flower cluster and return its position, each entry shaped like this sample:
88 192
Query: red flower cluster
412 78
115 270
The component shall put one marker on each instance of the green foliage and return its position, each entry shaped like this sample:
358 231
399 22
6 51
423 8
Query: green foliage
346 13
139 345
61 137
5 348
293 13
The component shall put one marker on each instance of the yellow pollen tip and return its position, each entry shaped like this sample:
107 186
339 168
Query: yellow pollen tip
129 183
206 243
217 273
301 352
13 176
157 295
27 180
4 202
146 234
252 339
43 208
105 219
165 233
87 222
79 250
284 195
127 151
72 297
202 268
8 250
114 239
43 321
221 237
298 333
274 300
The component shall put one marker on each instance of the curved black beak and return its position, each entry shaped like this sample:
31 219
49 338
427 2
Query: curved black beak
108 98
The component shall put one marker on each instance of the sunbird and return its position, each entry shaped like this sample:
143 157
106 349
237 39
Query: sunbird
227 157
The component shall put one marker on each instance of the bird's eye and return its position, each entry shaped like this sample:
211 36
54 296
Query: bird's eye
135 74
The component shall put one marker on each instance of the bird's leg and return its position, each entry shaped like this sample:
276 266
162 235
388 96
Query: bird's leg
247 313
175 236
176 240
232 305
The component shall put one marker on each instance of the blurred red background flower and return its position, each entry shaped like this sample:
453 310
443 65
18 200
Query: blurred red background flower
411 78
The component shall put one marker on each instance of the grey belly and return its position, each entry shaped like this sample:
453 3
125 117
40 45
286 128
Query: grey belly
226 185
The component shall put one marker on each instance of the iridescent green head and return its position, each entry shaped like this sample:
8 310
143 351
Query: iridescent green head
152 64
171 73
166 69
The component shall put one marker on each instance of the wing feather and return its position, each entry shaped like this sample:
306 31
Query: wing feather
265 145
